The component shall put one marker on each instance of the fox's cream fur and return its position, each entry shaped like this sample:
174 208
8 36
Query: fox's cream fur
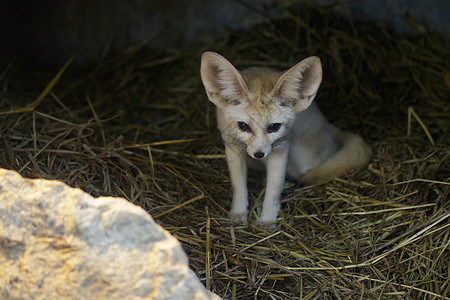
267 119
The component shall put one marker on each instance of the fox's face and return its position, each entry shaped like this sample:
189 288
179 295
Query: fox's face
258 106
257 127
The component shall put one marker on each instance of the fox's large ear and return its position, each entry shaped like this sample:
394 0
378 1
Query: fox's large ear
224 85
298 85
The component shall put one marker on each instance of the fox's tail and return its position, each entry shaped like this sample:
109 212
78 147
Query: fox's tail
353 154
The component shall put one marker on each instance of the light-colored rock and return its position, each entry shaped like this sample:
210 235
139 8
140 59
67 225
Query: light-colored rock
58 242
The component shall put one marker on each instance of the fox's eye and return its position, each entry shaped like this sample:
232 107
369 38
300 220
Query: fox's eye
274 127
244 127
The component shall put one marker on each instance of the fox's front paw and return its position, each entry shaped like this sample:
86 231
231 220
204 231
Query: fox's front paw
239 216
267 225
268 221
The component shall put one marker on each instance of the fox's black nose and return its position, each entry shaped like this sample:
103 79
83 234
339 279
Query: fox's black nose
258 154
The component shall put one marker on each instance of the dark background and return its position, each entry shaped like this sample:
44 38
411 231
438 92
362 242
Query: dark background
50 31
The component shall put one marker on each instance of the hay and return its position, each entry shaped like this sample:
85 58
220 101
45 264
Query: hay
138 126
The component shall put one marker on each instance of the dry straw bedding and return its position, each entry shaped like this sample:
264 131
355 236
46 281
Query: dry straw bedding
138 125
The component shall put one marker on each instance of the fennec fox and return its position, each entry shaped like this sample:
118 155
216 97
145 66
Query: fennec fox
268 119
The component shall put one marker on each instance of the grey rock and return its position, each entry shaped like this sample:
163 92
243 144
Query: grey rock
57 242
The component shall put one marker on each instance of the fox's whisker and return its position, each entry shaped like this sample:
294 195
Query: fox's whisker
238 143
280 140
